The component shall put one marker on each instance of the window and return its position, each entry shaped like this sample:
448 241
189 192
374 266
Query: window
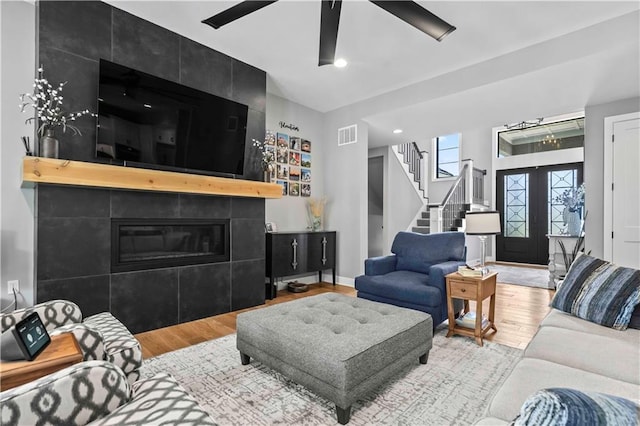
447 158
531 138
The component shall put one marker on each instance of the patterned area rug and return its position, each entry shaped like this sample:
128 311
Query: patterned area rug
454 387
521 275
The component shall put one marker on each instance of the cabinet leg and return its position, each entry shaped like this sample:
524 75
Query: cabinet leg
320 276
334 275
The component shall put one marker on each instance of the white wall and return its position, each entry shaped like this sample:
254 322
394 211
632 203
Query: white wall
18 41
593 167
289 213
404 203
346 185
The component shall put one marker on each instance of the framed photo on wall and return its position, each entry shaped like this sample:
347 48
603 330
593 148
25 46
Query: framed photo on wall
305 175
283 140
305 160
294 158
294 173
285 186
294 143
294 189
305 190
283 171
305 145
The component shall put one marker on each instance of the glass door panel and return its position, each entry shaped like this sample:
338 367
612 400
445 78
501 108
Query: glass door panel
516 201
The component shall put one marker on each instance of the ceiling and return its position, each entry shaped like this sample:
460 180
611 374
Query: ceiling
384 53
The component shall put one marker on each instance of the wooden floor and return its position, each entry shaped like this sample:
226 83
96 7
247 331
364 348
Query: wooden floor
519 311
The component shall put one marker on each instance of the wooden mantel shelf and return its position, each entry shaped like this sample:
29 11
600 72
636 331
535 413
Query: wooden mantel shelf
79 173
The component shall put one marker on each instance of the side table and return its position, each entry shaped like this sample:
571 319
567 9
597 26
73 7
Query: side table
476 289
62 352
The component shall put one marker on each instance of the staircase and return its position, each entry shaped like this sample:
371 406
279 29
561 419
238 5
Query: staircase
466 193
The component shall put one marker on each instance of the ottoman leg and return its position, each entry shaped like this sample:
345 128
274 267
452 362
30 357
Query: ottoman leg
424 357
244 359
344 414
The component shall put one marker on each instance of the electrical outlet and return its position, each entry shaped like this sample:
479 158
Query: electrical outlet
13 284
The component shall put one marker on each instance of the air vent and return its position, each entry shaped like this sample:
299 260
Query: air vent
347 135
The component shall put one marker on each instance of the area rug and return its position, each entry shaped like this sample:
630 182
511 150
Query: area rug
453 388
521 275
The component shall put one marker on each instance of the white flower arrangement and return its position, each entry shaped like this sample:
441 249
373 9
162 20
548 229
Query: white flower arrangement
47 103
267 151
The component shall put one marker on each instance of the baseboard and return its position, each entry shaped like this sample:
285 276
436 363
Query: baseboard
313 278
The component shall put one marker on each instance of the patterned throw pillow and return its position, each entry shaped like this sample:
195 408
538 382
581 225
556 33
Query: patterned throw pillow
598 291
561 406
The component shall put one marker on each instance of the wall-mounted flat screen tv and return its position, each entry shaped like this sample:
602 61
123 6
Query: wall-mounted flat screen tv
143 119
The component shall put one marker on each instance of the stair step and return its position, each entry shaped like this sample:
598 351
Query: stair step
423 222
426 215
421 229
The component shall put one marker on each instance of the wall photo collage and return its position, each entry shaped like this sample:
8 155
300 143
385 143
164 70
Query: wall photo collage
293 163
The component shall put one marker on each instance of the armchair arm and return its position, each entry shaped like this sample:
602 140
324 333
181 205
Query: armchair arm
89 339
438 271
54 314
380 265
56 398
158 400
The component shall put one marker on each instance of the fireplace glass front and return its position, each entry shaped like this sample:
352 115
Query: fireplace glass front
138 244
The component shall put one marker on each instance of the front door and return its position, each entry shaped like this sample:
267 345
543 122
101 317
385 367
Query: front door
625 191
525 199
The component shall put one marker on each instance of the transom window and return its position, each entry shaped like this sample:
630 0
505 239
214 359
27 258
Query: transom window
447 158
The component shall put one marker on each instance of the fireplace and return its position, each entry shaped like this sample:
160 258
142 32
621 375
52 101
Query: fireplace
139 244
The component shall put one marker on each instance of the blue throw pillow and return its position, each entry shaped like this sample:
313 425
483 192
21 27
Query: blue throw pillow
599 291
562 406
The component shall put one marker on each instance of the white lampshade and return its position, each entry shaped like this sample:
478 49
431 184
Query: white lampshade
482 223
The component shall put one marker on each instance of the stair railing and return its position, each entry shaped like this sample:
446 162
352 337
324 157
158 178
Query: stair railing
453 203
414 159
478 185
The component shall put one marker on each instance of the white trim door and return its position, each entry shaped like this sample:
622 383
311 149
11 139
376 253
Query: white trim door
622 189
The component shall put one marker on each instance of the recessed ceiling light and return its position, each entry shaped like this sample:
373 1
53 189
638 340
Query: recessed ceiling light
147 105
340 63
396 131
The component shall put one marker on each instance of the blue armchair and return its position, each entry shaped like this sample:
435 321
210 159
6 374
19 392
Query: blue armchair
413 276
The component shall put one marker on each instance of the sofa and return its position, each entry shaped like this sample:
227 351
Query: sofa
100 336
569 352
413 276
99 393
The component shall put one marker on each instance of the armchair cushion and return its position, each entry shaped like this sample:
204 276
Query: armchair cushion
407 286
417 252
75 395
380 265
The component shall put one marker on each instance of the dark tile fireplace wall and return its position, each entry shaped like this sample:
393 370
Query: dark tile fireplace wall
74 249
73 224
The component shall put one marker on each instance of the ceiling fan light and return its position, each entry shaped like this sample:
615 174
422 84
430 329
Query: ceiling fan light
340 63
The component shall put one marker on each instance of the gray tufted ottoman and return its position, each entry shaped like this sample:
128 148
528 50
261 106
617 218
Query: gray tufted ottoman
339 347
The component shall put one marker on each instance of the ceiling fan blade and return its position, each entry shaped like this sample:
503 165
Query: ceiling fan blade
235 12
414 14
329 20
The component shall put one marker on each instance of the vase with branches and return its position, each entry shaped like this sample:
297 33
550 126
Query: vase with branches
569 256
315 210
47 103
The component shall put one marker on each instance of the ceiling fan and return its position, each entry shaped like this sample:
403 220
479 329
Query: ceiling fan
409 11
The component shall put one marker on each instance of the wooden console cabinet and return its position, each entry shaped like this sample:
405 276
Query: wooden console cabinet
293 253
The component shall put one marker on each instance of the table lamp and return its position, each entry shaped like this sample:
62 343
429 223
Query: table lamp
483 224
